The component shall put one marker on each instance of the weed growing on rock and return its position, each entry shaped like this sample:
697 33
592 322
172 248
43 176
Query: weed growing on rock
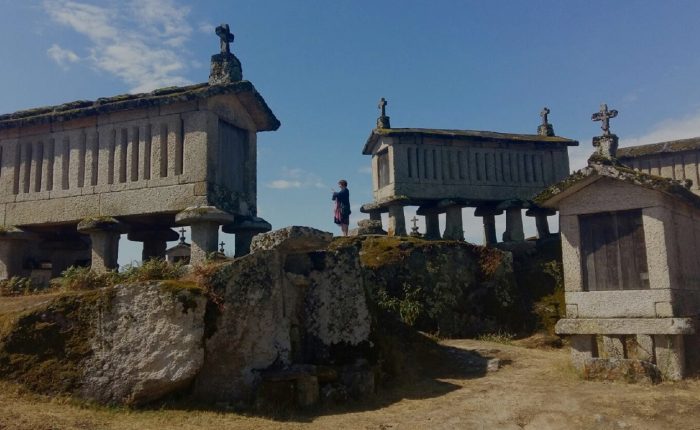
18 286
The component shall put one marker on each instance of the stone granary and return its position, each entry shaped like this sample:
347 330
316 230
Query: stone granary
678 159
442 171
74 177
631 253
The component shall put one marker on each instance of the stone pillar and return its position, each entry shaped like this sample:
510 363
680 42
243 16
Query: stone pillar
454 229
432 222
582 347
104 237
488 213
13 244
154 241
541 222
204 221
397 222
245 228
514 225
375 216
670 356
613 347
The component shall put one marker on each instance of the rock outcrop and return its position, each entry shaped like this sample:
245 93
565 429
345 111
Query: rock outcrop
300 318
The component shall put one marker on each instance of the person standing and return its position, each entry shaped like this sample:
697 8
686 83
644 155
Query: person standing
342 206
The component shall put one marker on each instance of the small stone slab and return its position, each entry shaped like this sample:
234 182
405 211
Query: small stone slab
625 326
200 214
620 369
247 224
104 223
293 239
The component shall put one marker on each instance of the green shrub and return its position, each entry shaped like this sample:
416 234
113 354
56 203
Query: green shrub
155 269
17 286
84 278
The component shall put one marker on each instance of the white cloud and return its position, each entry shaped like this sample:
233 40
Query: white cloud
283 184
61 56
668 129
296 178
140 42
206 27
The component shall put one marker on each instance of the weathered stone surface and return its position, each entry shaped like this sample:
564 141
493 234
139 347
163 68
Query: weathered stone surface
625 326
370 226
617 369
293 239
147 343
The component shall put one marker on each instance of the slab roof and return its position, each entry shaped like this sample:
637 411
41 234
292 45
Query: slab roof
659 148
596 170
474 135
259 111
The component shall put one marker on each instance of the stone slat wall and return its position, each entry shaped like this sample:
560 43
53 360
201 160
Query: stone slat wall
468 170
679 166
129 153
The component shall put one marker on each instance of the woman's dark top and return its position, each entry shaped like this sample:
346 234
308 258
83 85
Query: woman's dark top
342 207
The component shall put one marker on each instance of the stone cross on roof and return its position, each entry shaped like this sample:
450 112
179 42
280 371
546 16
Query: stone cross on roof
414 220
382 105
604 116
226 37
545 129
383 120
182 235
221 250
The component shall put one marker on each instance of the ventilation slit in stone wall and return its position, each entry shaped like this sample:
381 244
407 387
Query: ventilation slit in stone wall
450 168
27 166
409 160
425 163
82 153
533 160
123 145
460 168
148 144
39 169
135 143
51 157
1 159
180 148
477 161
95 151
15 179
65 163
434 164
418 161
163 150
112 156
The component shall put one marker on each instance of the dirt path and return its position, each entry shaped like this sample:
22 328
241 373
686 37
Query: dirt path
534 390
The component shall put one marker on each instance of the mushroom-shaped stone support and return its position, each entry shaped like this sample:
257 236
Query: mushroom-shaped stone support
245 228
204 222
104 237
154 241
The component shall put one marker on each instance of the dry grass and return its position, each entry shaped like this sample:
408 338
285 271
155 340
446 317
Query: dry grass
536 389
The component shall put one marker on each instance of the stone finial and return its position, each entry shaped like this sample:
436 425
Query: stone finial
414 229
605 145
182 235
604 116
221 245
383 120
226 37
225 67
545 129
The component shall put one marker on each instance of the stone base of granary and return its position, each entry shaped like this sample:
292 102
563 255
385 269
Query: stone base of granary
657 341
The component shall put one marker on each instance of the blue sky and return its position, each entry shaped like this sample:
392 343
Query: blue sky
323 65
